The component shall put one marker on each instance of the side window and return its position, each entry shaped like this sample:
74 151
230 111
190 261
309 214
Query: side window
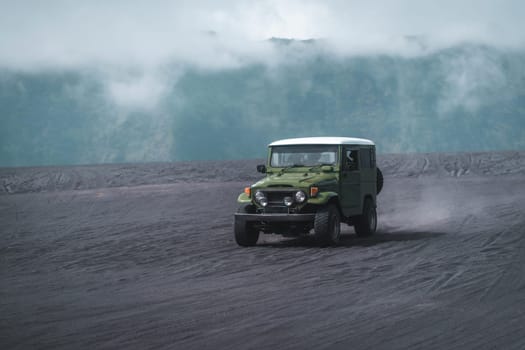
351 159
366 158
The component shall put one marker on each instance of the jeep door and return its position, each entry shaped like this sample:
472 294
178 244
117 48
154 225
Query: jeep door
350 193
368 172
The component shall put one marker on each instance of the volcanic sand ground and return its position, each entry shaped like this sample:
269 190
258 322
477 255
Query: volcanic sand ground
143 256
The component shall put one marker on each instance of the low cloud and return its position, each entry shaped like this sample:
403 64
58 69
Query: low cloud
224 34
138 91
145 37
472 78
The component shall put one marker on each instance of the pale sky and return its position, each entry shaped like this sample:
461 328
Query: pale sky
130 43
39 34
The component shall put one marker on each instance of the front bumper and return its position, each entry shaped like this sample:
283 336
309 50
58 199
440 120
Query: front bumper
270 218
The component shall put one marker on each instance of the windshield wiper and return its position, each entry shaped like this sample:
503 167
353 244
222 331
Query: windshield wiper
291 166
320 165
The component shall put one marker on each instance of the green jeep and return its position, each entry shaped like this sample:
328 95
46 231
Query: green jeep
312 183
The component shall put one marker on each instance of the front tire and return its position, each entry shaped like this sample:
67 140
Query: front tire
246 235
366 224
327 225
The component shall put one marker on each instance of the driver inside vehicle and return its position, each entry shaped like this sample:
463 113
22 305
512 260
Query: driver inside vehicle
351 160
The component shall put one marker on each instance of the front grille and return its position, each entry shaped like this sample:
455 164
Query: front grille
276 201
277 197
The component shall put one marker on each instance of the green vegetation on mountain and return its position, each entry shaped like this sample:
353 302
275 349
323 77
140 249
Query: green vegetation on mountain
468 98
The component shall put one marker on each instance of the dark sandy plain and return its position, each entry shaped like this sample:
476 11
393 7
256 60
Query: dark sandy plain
143 257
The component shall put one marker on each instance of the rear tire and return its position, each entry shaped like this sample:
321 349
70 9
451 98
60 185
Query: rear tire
327 225
246 235
366 224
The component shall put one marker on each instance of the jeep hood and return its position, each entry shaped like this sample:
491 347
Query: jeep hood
296 179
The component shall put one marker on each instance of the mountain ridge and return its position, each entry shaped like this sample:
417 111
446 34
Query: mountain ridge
464 98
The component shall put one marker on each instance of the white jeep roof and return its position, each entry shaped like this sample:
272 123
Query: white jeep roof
322 141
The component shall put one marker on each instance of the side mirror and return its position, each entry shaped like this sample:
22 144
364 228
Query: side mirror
261 168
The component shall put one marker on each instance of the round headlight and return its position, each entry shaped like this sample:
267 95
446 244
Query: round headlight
288 201
260 198
300 196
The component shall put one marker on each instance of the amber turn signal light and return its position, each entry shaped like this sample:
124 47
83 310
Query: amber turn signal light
314 191
248 191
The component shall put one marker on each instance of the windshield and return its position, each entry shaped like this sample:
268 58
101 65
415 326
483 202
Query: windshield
303 155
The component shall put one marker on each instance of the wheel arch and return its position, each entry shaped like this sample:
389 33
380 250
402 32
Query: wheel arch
371 197
331 198
335 201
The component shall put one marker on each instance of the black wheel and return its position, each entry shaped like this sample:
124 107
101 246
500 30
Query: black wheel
246 235
366 224
327 225
379 180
